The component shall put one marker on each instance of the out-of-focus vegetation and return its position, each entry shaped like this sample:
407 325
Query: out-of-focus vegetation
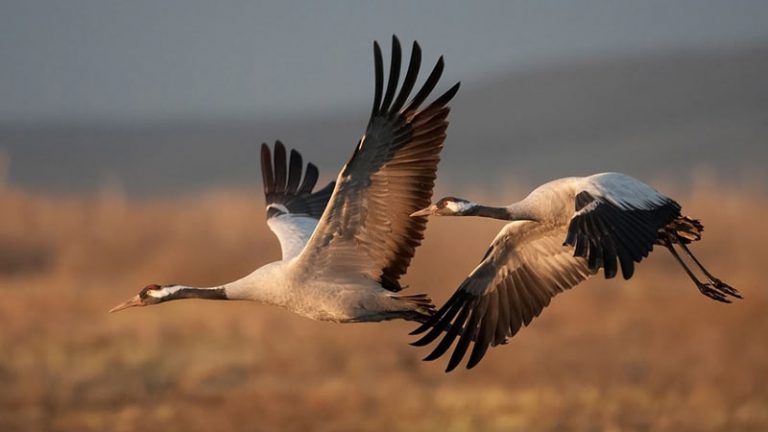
648 354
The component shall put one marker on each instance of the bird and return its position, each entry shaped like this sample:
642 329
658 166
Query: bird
562 233
345 246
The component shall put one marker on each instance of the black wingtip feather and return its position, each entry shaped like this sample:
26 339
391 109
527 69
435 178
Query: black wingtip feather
394 75
279 166
296 195
428 86
310 178
410 78
445 97
436 317
453 331
487 330
294 171
378 66
470 333
446 313
266 169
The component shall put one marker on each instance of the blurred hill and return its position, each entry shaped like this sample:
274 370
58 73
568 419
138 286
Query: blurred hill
661 115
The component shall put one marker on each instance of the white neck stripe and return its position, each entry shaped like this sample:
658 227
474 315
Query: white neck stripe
164 292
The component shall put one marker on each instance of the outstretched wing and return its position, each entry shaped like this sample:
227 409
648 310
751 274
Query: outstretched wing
618 218
293 210
525 267
366 228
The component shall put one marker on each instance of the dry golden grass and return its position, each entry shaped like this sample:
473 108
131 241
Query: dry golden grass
649 354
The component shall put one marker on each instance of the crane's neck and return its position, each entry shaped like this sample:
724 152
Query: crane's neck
517 211
267 284
250 287
178 292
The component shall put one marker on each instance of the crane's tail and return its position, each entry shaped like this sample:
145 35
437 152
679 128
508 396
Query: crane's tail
682 230
420 305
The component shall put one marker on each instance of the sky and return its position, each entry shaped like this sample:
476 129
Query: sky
143 61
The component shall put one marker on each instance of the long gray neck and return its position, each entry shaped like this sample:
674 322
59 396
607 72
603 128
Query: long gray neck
522 210
517 211
179 292
263 285
231 291
488 212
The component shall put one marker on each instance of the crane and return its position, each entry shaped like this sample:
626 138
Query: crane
562 233
345 246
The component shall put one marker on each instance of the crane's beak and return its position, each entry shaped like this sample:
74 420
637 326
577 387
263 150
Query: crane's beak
432 209
134 301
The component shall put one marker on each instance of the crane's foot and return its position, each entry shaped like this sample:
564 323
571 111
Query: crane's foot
727 289
718 290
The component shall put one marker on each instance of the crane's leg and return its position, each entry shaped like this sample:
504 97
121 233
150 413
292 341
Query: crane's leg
722 286
708 289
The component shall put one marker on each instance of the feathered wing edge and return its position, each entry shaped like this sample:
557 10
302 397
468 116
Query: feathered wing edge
283 183
525 266
611 237
367 226
293 210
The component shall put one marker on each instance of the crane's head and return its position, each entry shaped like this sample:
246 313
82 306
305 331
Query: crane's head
448 206
149 295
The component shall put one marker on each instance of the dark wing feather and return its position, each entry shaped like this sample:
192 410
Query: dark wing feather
287 189
525 267
604 232
367 229
293 210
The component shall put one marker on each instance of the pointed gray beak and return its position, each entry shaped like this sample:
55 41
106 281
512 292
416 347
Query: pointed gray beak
432 209
134 301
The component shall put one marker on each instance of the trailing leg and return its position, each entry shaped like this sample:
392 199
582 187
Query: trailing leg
708 289
720 285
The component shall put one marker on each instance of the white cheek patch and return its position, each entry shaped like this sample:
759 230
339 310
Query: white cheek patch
452 206
163 292
458 207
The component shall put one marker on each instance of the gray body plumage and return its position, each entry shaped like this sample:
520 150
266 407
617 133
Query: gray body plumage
347 298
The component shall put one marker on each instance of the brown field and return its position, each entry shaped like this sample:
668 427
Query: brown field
648 354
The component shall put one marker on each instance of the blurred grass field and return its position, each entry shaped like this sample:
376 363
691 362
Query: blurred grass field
648 354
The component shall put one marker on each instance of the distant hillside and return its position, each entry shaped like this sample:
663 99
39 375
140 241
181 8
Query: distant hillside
661 115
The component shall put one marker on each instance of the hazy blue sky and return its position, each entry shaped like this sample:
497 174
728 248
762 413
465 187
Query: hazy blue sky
130 61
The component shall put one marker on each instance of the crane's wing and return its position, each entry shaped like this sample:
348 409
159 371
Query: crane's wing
293 210
526 265
618 217
366 228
